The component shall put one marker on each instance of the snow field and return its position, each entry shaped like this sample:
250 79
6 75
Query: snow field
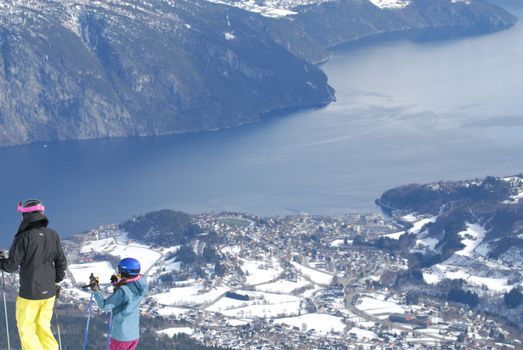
515 199
471 238
267 9
264 310
261 304
283 286
362 334
323 324
167 311
391 4
337 243
189 295
379 308
315 276
171 332
258 272
101 245
410 217
81 272
237 323
418 225
442 271
426 243
395 235
145 255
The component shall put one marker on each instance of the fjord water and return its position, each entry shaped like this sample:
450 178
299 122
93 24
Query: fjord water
405 112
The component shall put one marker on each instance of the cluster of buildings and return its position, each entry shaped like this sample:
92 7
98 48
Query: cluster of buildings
337 295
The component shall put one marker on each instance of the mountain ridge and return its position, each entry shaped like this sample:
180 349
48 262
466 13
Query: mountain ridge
81 70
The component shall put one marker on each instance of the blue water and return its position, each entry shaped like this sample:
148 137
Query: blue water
406 112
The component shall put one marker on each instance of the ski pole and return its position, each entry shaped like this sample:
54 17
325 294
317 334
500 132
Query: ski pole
58 289
5 312
86 331
109 331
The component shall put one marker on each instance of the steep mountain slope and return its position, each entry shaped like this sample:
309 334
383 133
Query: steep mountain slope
81 69
482 217
117 69
336 22
464 242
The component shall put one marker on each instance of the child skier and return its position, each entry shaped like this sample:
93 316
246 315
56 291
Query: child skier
129 290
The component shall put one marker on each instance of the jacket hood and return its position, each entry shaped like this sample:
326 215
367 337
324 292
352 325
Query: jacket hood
139 287
32 220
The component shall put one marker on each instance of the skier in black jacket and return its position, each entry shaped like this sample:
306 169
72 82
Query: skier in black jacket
36 249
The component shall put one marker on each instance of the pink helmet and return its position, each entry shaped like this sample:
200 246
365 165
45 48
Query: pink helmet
30 206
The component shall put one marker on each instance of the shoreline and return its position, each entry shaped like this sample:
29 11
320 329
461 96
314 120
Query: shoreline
413 34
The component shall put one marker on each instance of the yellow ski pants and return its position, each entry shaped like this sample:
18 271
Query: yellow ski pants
33 318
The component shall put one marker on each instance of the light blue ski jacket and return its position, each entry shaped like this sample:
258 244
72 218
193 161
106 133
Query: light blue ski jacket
125 304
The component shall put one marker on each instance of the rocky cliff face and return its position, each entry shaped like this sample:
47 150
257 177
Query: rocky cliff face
117 71
81 69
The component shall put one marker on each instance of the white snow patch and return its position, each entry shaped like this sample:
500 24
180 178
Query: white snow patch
376 307
189 296
322 323
171 311
441 271
426 243
229 35
467 2
81 272
267 8
514 199
264 305
395 235
258 272
431 278
339 243
362 334
233 322
171 332
283 286
499 285
472 237
410 218
418 225
316 276
391 4
145 255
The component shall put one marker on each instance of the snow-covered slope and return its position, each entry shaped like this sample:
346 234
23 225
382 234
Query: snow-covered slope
391 4
282 8
270 8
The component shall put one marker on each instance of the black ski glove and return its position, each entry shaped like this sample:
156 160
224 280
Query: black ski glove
3 258
94 283
114 279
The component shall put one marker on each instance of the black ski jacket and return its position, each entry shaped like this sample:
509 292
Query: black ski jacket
36 249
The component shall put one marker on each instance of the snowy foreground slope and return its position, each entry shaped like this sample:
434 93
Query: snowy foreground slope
242 282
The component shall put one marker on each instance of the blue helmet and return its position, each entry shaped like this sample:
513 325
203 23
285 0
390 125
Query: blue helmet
129 267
